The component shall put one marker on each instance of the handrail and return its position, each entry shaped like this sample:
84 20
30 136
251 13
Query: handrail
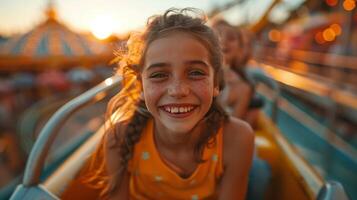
312 86
47 135
317 128
332 190
339 61
57 182
307 175
313 57
27 123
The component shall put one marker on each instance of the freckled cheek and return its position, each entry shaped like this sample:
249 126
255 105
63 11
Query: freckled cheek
204 88
152 93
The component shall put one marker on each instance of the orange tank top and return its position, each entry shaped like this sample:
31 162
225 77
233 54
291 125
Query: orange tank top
152 179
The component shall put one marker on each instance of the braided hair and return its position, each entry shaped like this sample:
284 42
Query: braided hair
129 100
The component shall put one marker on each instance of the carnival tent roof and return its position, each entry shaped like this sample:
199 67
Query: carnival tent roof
51 45
51 39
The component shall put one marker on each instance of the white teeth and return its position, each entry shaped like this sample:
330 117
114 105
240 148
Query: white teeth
167 109
178 109
174 110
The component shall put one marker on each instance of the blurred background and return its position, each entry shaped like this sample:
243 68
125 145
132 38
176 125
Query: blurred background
52 51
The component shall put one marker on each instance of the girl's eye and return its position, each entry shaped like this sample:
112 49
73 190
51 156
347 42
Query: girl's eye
197 73
158 75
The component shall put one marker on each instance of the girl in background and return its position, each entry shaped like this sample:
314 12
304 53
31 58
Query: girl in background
238 96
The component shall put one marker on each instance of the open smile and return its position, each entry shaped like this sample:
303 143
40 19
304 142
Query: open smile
178 110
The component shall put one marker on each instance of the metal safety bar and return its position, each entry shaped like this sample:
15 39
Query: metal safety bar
303 170
312 86
342 62
47 135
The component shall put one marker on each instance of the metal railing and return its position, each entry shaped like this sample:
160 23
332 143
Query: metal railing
309 85
47 135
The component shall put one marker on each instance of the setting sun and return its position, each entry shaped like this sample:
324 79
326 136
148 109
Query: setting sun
102 27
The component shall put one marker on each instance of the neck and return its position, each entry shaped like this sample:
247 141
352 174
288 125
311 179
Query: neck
177 140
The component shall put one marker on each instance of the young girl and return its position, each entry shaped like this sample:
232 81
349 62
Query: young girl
236 53
238 96
175 141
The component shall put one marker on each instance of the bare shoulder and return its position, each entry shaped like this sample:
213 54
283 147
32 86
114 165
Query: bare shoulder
238 145
238 140
237 131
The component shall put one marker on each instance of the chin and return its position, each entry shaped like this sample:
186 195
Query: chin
180 128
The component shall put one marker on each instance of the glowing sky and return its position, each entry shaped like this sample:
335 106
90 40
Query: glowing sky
22 15
19 16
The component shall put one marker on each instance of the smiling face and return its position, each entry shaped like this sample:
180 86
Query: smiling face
178 82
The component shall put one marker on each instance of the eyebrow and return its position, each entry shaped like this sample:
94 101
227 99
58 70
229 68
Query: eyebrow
157 65
190 62
197 62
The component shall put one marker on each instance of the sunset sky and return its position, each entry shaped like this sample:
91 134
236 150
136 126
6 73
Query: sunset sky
19 16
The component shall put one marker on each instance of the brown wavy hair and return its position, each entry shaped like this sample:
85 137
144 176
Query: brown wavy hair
129 101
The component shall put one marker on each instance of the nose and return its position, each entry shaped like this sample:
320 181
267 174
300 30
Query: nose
178 89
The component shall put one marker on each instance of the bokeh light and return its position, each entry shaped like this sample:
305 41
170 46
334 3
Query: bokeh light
331 2
349 5
275 35
319 38
336 28
328 35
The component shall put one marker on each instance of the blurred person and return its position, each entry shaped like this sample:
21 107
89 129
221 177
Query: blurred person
238 97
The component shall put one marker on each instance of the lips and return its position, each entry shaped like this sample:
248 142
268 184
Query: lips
178 110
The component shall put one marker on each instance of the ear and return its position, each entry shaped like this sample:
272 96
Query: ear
216 91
